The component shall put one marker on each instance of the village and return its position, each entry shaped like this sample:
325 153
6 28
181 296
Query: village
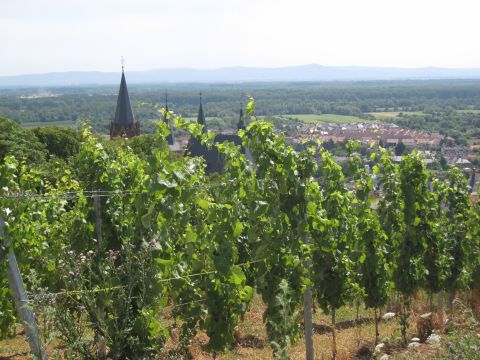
432 146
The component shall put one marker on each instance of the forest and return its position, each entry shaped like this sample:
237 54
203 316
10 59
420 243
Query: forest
450 107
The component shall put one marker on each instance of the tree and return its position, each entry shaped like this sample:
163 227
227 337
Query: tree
334 234
278 226
59 141
277 223
390 207
22 143
458 235
410 269
372 259
443 162
433 226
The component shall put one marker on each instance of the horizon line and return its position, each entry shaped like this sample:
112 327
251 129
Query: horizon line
245 67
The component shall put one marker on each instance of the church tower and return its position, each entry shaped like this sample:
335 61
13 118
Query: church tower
241 121
124 123
167 121
201 116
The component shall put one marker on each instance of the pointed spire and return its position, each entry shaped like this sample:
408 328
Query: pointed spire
166 100
201 115
241 120
124 123
170 138
123 114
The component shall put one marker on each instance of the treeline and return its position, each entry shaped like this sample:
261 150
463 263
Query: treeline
460 125
97 105
42 144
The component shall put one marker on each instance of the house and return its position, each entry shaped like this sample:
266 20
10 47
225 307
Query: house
462 162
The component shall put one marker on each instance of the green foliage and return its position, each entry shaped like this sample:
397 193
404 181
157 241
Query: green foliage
278 206
143 146
61 142
410 268
124 310
462 347
474 255
228 293
38 227
458 237
423 105
334 236
390 206
371 251
458 124
433 228
19 142
177 242
410 271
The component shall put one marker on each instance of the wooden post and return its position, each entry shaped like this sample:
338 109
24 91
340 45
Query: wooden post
404 320
440 307
307 307
98 221
101 353
451 298
20 297
334 335
307 312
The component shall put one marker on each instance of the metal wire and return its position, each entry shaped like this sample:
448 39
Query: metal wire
73 292
92 193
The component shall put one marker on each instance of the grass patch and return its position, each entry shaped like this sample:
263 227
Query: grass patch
325 118
389 115
66 123
469 111
384 114
194 118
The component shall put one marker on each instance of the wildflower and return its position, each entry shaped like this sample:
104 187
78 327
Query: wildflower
152 242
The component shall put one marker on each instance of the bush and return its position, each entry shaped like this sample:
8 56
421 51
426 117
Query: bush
115 296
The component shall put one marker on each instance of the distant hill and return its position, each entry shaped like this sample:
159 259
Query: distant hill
239 74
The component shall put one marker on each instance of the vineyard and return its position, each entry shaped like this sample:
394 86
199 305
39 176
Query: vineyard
122 254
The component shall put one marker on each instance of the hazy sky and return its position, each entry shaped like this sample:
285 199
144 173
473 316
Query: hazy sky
61 35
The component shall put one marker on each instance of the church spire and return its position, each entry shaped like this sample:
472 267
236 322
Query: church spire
123 113
166 100
124 123
201 115
167 121
241 120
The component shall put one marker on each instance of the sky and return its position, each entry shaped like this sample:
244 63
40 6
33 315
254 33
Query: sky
39 36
